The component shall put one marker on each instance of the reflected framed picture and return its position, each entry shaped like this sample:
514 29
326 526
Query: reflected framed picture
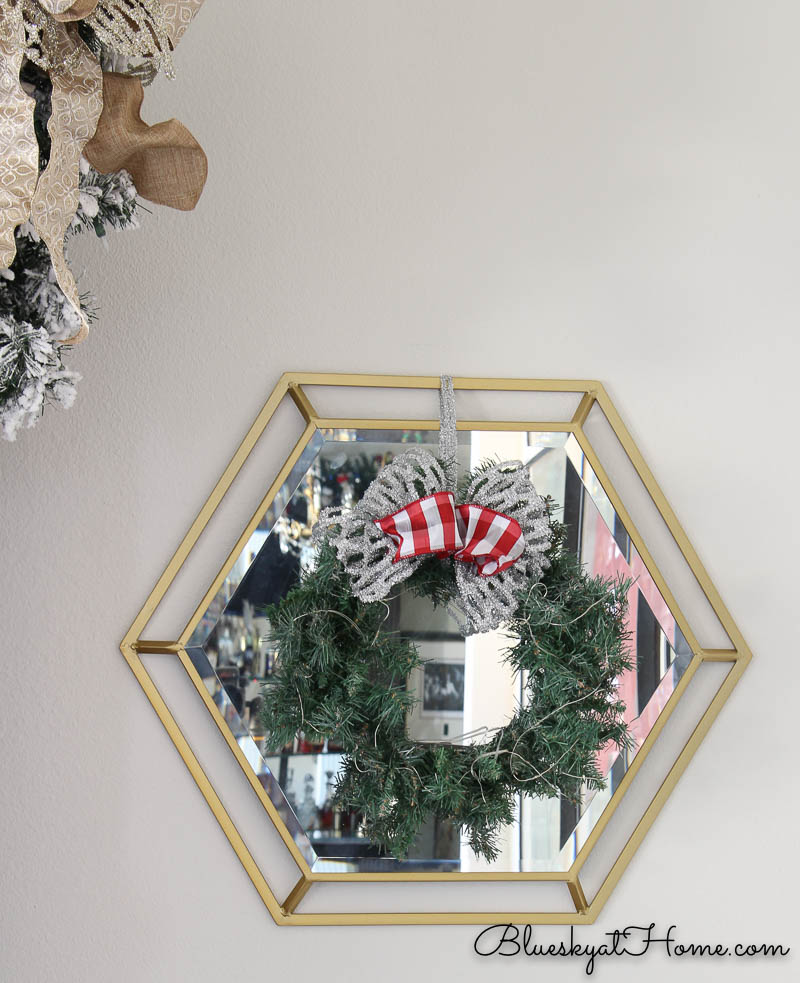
443 689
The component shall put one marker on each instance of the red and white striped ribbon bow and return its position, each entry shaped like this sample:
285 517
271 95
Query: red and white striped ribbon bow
470 533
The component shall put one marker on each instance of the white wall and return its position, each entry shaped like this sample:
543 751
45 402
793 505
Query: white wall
569 189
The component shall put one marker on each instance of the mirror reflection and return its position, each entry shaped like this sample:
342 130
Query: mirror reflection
464 685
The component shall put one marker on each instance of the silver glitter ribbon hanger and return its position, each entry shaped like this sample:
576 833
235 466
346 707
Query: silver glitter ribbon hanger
448 436
482 603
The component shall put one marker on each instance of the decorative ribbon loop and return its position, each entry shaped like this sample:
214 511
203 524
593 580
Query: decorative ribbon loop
435 525
426 526
492 541
500 536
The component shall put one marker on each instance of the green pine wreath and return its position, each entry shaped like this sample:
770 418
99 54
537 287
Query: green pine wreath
341 676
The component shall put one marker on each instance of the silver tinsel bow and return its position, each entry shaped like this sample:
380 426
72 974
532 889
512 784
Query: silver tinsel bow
483 603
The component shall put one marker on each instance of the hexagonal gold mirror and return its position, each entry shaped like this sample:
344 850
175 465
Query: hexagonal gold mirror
559 858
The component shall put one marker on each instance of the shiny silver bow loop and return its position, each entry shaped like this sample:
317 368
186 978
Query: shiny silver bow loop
500 496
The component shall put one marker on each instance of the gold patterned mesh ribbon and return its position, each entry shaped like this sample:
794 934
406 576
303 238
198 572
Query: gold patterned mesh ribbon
134 27
19 152
46 31
178 15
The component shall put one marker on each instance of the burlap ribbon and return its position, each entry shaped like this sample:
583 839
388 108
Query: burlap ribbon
166 163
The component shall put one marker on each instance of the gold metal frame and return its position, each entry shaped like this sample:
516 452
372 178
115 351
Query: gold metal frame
592 394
